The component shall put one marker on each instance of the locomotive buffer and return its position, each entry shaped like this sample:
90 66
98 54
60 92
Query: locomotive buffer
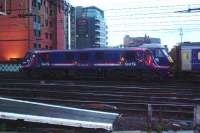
12 109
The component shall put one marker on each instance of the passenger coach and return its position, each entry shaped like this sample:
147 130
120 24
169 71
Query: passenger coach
188 58
109 62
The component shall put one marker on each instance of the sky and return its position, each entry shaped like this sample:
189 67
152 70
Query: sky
156 18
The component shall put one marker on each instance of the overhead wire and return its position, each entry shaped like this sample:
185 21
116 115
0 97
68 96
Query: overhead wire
155 30
145 16
161 13
154 17
150 7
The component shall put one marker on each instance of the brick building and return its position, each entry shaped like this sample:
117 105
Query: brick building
32 24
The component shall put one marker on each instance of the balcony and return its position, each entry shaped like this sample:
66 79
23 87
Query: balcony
97 24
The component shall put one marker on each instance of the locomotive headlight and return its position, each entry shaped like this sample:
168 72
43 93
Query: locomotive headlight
170 59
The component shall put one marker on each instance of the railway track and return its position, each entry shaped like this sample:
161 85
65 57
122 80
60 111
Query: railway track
168 101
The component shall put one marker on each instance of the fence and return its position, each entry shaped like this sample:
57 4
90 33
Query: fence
10 67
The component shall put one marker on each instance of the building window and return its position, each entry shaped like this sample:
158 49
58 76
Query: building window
51 36
50 5
47 10
39 5
46 22
34 3
59 7
51 24
46 35
39 33
35 32
35 18
39 19
51 12
46 46
35 45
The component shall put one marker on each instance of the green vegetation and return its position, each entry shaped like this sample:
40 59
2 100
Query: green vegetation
3 127
158 127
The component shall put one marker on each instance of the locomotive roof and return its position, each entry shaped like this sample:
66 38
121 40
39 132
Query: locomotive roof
152 45
93 49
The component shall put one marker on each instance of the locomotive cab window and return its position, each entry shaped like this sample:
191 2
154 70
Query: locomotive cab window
44 57
159 53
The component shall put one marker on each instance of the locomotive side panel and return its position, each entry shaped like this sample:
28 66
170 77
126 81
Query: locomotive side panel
196 60
128 61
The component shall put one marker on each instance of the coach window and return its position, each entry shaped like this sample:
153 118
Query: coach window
185 56
198 55
44 57
99 56
84 56
69 56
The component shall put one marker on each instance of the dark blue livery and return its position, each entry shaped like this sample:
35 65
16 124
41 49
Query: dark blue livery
136 62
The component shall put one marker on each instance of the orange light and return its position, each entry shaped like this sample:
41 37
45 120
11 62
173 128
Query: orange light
13 36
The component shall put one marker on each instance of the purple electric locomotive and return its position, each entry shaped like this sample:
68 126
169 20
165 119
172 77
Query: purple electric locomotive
136 62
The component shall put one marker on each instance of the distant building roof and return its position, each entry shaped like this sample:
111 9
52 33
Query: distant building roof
189 43
136 41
